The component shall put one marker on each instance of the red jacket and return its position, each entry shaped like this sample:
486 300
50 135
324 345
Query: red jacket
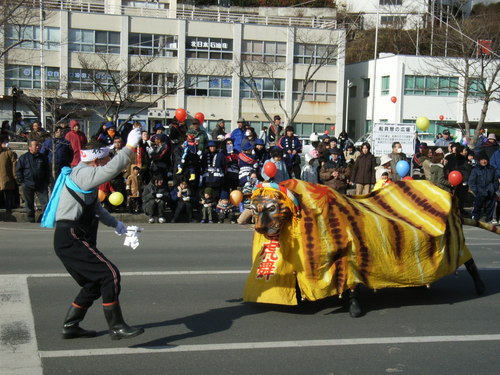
77 140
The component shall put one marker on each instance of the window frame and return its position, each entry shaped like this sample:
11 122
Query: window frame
209 86
266 87
52 77
209 48
304 52
85 40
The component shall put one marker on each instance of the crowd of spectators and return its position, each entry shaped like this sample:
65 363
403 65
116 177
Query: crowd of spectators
184 173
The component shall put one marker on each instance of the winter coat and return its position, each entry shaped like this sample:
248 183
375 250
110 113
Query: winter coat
395 156
213 165
134 185
438 177
202 138
363 171
495 161
77 141
483 181
309 173
40 136
325 175
33 170
237 136
7 169
290 144
149 196
489 148
247 165
64 153
281 172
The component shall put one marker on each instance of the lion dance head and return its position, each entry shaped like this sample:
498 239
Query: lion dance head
272 205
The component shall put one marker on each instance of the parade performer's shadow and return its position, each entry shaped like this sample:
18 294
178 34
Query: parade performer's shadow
449 290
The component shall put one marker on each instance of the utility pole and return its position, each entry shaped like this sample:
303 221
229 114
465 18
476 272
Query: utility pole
42 67
375 53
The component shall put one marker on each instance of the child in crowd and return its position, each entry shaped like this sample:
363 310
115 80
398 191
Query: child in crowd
208 204
154 198
190 148
247 190
281 171
224 209
134 189
309 171
383 181
182 194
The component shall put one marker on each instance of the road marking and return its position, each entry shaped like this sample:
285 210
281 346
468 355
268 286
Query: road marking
18 346
267 345
193 273
147 229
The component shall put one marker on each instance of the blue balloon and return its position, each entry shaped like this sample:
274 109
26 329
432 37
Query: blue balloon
402 167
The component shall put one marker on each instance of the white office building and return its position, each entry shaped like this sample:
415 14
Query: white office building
407 87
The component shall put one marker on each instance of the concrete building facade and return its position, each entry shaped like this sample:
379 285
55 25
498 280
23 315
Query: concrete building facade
213 59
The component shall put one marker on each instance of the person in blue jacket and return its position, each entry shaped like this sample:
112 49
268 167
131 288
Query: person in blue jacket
62 149
238 134
483 181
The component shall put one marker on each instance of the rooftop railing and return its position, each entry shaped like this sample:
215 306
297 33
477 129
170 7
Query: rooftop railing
190 13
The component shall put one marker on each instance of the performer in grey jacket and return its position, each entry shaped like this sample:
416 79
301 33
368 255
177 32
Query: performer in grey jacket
77 217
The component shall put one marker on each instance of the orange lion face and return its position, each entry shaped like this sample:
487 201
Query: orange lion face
270 214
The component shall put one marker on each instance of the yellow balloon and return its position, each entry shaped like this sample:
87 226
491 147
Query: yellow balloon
116 198
423 123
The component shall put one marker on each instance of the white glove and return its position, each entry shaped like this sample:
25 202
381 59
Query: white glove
159 195
134 137
120 228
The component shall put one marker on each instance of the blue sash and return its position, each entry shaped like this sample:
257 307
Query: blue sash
49 216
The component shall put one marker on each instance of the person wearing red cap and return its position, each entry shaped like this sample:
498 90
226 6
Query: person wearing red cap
77 139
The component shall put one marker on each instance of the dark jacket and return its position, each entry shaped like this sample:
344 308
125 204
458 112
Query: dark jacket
483 181
213 165
363 171
33 170
438 177
149 196
64 153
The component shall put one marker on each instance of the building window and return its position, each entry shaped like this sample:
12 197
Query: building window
353 91
92 81
366 87
152 45
209 48
263 51
29 37
151 83
315 54
316 91
29 77
81 40
396 21
431 85
385 85
208 86
391 2
268 88
476 87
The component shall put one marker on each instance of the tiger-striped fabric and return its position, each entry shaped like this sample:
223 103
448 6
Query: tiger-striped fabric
406 234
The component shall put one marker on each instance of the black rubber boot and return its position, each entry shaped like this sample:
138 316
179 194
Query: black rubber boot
71 328
118 329
354 306
474 272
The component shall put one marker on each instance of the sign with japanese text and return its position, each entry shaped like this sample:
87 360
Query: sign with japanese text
385 134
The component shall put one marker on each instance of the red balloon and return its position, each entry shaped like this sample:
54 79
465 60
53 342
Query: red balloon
200 116
332 127
394 99
270 169
327 132
455 178
407 178
441 117
180 114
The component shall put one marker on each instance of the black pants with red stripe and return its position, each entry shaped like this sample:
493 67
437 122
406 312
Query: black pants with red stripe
87 265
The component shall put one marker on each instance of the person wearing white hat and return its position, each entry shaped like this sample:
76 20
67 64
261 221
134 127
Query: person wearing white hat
385 166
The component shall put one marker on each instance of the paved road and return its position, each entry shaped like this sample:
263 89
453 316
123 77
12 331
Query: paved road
184 286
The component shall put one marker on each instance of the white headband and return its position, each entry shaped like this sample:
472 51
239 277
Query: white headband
91 155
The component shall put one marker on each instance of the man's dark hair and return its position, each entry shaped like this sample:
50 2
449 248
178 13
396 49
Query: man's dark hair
94 144
136 168
395 143
57 128
370 147
276 151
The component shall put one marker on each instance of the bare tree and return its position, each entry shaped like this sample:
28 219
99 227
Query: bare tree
475 44
316 53
16 15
